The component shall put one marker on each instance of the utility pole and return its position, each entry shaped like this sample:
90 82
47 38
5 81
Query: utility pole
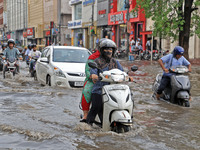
59 40
92 34
127 6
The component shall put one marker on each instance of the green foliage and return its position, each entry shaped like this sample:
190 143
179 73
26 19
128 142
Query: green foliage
168 16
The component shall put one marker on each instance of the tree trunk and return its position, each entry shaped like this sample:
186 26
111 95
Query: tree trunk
186 29
180 14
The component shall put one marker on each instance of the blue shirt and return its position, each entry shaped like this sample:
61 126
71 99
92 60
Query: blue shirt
97 88
170 61
11 53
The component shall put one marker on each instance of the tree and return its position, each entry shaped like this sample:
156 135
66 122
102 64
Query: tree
177 19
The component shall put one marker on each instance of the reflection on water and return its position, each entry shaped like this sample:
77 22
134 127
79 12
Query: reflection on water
38 117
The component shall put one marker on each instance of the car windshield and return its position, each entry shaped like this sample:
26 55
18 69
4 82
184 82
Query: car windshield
70 55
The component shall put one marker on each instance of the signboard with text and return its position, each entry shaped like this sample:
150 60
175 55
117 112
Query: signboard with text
30 33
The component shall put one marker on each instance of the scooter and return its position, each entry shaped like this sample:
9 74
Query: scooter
11 67
1 62
178 92
117 100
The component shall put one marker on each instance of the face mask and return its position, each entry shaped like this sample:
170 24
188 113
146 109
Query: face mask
108 54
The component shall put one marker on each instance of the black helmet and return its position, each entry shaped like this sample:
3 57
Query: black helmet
107 43
98 44
11 41
34 45
4 45
29 46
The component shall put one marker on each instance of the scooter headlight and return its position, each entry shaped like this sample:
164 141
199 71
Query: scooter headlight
117 78
112 97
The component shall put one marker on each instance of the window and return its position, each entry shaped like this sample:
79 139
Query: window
70 55
78 11
44 53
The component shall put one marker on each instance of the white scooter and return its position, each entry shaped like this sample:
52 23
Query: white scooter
117 101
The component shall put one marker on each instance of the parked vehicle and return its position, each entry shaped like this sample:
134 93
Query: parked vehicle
120 53
62 66
117 100
11 67
178 92
147 55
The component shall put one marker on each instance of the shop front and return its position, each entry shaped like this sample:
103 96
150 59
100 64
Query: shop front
76 32
31 35
103 30
117 19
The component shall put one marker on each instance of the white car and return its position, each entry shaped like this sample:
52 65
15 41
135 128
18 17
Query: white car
62 66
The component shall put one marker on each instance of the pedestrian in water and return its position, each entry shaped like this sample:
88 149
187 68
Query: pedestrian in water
88 84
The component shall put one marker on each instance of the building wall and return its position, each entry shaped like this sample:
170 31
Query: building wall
36 17
1 13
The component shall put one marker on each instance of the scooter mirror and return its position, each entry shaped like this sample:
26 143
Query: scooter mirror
92 65
134 68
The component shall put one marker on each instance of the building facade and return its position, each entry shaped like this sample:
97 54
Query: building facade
35 22
117 19
103 29
16 20
59 12
75 25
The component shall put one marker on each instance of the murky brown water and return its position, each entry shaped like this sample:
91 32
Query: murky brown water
40 117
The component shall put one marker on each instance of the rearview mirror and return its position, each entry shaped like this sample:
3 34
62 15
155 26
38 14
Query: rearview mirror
44 59
92 65
134 68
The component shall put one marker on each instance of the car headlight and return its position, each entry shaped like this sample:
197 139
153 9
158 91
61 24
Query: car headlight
59 72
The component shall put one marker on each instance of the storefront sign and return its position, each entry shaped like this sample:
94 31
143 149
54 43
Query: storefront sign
25 34
8 36
30 33
74 2
101 12
74 24
88 2
117 17
47 33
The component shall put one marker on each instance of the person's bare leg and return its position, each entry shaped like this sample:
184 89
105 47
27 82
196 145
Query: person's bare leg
85 113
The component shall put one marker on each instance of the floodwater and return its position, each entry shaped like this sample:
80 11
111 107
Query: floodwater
41 117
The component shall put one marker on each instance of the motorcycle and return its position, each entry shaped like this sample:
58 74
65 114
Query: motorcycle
1 62
33 72
147 55
11 67
120 53
178 91
117 100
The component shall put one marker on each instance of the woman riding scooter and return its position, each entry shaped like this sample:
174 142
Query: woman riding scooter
88 84
105 62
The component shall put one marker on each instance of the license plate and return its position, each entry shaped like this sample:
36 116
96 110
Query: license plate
78 83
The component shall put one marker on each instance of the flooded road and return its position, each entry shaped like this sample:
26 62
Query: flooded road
41 117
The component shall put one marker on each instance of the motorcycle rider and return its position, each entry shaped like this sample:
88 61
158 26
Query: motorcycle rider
10 52
4 46
34 53
27 53
105 62
174 59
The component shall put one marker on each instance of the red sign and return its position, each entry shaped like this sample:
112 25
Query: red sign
29 31
8 36
101 12
47 33
24 34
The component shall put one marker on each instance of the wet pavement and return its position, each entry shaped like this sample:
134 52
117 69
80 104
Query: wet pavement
41 117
